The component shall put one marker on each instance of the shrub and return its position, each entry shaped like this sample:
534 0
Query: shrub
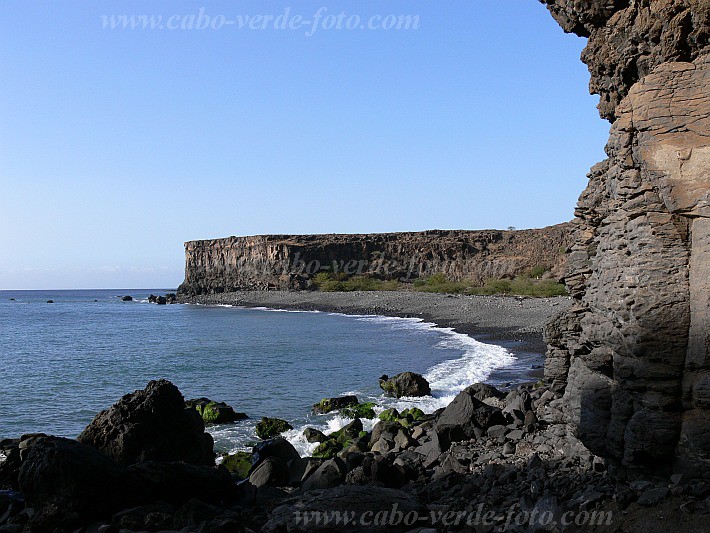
537 271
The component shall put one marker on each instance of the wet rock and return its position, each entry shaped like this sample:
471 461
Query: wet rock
314 435
238 463
151 424
127 299
405 384
326 405
215 412
271 427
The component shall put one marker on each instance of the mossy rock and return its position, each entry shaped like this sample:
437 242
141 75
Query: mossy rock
238 463
326 405
215 412
348 432
362 410
328 449
271 427
389 415
413 413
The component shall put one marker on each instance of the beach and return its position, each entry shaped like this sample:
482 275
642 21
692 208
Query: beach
514 323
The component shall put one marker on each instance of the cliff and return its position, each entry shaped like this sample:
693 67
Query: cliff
290 261
632 353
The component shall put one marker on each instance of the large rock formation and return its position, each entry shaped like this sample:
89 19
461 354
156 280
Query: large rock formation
633 350
290 261
152 424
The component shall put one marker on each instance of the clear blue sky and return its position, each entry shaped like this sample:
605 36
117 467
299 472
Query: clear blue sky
116 146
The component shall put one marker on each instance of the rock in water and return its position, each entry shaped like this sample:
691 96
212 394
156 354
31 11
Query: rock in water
215 412
127 299
271 427
405 384
151 424
326 405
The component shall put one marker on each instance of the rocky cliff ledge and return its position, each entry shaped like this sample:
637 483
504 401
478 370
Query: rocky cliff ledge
290 261
632 353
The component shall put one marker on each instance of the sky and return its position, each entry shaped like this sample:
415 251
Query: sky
117 145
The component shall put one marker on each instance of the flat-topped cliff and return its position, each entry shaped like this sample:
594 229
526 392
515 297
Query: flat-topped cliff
632 352
291 261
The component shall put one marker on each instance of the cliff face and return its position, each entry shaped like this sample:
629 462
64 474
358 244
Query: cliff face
632 353
290 261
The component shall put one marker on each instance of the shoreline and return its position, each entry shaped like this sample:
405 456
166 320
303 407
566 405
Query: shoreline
513 323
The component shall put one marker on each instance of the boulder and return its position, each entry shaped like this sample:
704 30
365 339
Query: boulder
238 463
152 424
326 405
329 474
314 435
481 391
277 447
68 483
127 299
272 472
271 427
215 412
405 384
177 483
463 416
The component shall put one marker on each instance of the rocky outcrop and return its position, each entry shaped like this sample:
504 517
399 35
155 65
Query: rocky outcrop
291 261
405 384
151 424
632 352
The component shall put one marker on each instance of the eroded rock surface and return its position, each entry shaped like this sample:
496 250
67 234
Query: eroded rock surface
291 261
152 424
632 352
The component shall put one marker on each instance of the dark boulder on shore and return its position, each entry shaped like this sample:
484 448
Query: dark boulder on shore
405 384
465 417
68 483
151 424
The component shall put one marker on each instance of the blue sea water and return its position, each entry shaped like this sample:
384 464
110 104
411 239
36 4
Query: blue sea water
61 363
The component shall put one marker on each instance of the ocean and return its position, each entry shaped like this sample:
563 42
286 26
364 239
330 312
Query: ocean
62 363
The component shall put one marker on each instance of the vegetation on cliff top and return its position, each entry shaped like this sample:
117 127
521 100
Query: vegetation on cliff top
532 283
